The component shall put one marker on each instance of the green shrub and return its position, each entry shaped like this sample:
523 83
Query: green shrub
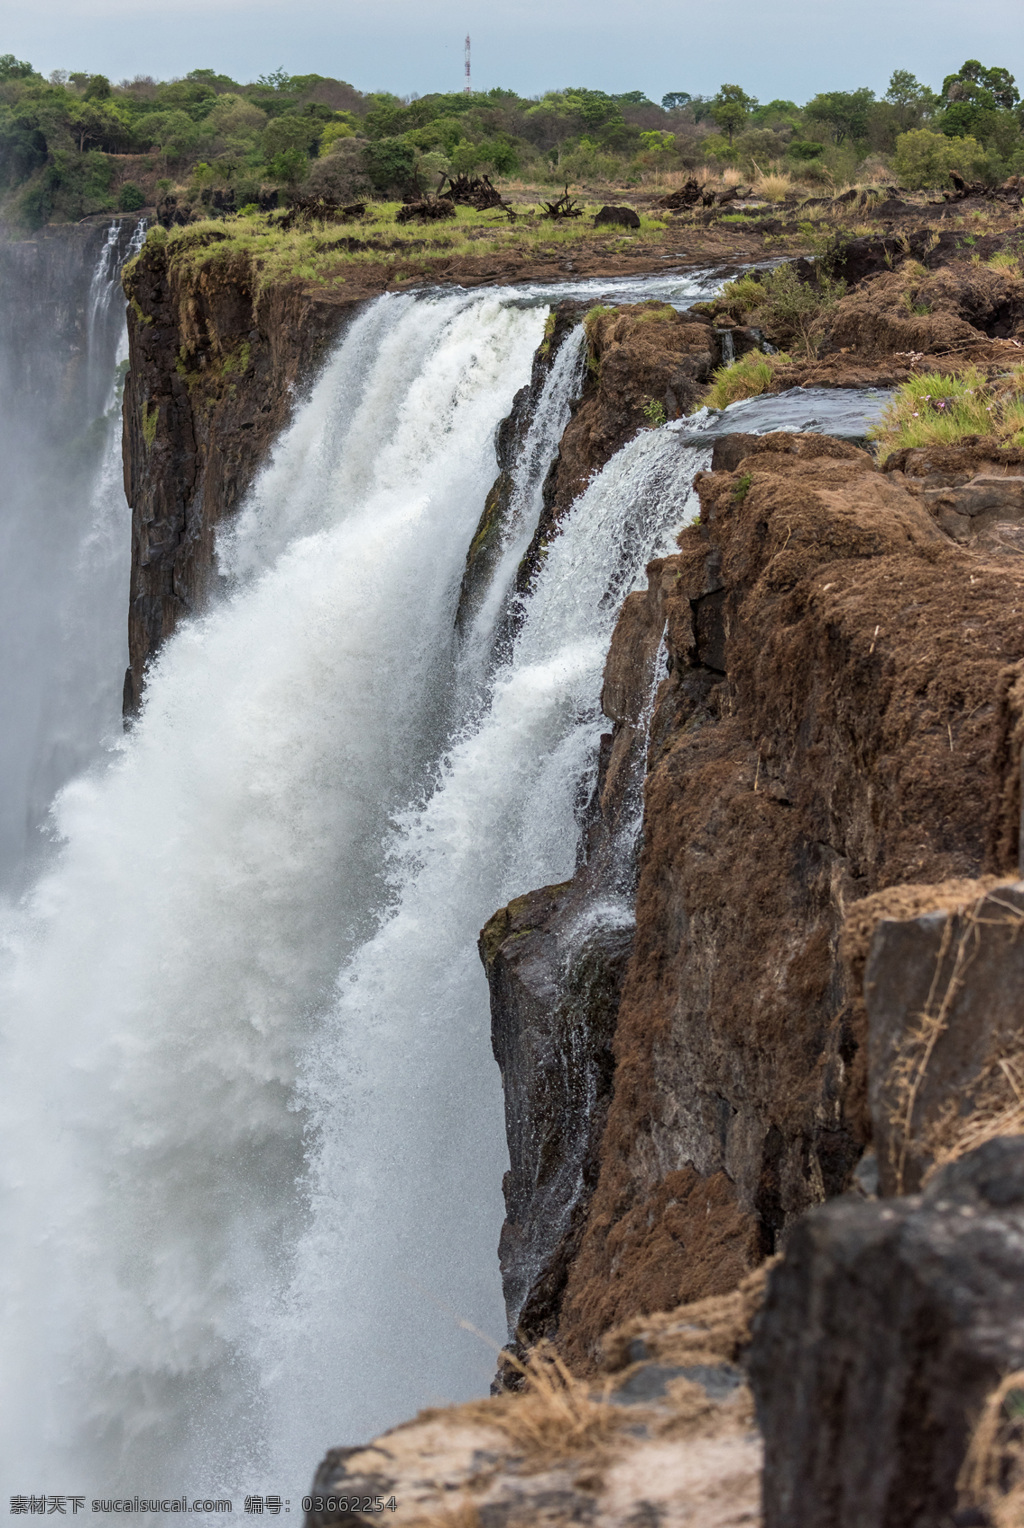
923 159
739 298
793 309
742 487
130 198
785 307
390 164
805 149
654 413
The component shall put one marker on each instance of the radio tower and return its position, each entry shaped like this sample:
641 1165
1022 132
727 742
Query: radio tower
467 87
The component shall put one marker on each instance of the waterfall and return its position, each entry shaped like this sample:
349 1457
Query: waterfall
252 1130
64 526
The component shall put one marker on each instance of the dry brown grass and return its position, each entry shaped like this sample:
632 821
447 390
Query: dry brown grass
999 1110
992 1476
555 1413
706 1331
773 183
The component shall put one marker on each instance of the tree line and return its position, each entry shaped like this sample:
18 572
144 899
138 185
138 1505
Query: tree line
75 143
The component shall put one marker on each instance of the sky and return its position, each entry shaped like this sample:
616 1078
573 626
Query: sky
788 48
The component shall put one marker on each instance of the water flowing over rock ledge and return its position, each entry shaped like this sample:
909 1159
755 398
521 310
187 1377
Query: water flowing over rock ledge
835 746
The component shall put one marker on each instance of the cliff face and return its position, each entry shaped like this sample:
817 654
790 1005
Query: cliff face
215 368
830 726
556 959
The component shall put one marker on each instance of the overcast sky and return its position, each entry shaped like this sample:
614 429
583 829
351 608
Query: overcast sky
785 48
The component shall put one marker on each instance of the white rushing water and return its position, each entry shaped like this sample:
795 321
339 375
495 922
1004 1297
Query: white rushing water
252 1130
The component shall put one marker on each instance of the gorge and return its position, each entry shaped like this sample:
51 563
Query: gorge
438 630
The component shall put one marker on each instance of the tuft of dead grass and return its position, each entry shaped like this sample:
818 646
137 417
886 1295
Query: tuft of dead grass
554 1416
996 1099
774 185
992 1475
998 1110
555 1413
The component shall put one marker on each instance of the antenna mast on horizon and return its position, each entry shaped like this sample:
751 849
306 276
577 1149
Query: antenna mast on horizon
467 88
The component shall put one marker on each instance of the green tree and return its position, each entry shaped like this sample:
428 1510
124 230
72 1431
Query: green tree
283 134
12 68
289 166
22 145
390 164
979 103
910 100
676 98
783 112
973 82
171 133
279 79
843 112
730 109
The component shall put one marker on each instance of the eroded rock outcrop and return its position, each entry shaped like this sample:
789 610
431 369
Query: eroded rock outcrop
830 726
954 309
884 1330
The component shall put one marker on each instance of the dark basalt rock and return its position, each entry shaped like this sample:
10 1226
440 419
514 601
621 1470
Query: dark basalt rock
884 1329
622 217
555 984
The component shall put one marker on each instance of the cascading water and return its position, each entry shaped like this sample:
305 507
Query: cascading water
252 1128
64 525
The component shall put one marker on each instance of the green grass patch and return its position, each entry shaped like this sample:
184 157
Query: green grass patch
322 253
749 377
654 312
739 298
931 409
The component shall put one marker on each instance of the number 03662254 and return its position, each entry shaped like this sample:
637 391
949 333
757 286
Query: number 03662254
334 1504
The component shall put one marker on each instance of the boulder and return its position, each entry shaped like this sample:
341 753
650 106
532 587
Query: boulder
622 217
885 1328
